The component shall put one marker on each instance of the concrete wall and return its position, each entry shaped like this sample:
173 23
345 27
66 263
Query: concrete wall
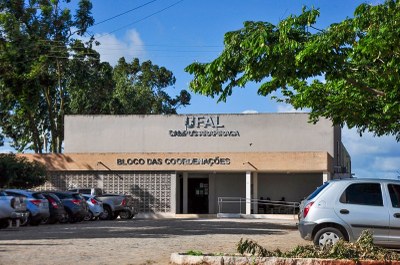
284 132
230 185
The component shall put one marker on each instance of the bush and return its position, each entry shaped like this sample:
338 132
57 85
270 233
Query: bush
362 249
18 172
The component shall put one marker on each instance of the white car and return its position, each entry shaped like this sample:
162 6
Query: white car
344 208
95 207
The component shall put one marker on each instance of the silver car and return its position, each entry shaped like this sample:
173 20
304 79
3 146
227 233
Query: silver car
95 207
344 208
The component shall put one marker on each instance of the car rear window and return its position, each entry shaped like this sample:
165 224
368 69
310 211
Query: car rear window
77 196
38 196
317 191
63 195
15 194
53 196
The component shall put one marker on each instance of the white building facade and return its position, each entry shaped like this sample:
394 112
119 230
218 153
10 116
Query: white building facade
187 164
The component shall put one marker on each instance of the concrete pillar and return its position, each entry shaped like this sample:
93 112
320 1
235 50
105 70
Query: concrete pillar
326 176
255 191
248 192
174 194
100 182
212 200
185 192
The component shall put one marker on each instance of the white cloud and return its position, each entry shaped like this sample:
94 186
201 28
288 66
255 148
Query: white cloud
387 163
285 108
111 48
368 144
249 111
372 157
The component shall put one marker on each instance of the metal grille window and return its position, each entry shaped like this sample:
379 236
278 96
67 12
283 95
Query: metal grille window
152 190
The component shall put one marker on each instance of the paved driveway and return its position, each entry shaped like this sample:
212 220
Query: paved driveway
139 241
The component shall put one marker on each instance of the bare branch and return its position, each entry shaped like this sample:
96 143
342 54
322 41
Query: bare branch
365 88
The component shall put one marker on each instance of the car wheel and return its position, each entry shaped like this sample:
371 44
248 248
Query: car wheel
88 216
73 219
327 236
113 216
64 219
45 221
126 215
106 214
26 221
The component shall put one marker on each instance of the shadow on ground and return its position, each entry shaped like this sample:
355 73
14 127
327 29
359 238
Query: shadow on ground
146 228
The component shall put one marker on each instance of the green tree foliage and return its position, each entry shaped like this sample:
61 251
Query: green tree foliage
348 72
18 172
47 71
35 41
89 82
140 88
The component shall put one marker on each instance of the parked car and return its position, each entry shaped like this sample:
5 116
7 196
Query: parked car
344 208
114 204
56 208
95 207
13 210
74 204
37 205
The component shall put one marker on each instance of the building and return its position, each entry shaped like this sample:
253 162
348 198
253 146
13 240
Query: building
176 164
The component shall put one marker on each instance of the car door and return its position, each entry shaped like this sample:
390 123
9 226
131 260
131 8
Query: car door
394 214
361 206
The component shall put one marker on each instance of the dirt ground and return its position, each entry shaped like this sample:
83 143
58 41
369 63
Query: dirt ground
139 241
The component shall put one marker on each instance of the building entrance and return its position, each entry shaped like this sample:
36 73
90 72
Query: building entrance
198 195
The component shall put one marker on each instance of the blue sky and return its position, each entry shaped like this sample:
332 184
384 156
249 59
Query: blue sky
175 33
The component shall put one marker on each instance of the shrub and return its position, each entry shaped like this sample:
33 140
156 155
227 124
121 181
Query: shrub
362 249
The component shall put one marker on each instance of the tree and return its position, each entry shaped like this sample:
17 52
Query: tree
47 71
35 47
139 89
89 82
18 172
348 72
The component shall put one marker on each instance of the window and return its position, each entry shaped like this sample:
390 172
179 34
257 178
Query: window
317 191
363 194
394 192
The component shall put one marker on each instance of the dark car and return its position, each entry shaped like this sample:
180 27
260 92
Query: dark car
37 205
74 204
56 207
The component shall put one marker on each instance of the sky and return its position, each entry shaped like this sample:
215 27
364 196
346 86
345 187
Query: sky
176 33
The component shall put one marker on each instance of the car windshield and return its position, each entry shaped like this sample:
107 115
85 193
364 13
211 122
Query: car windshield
317 191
